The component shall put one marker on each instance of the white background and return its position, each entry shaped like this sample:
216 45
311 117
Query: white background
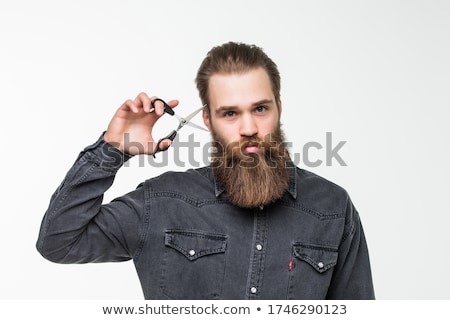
374 73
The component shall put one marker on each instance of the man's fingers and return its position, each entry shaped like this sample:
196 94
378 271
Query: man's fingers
163 145
159 106
143 101
172 103
130 105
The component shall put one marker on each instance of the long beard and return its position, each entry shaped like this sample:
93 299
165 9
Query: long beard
252 179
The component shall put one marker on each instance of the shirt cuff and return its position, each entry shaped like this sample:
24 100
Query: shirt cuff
106 155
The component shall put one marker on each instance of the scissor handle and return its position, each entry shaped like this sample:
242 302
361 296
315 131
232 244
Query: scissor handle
167 109
171 136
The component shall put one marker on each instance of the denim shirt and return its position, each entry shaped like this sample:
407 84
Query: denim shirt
188 241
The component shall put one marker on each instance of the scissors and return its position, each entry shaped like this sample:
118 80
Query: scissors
182 122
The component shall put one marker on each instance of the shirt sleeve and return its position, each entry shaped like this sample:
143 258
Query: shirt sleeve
352 276
77 227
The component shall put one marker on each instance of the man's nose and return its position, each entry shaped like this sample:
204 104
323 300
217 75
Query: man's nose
248 127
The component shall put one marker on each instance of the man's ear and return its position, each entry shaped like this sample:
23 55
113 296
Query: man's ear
206 118
280 107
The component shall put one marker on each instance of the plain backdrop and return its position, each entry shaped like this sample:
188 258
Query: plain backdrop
375 74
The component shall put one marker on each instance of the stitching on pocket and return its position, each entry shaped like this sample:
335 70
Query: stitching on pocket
195 244
321 258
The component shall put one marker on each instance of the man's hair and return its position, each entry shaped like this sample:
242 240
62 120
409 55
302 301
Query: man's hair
232 58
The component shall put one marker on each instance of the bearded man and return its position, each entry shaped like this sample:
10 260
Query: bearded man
249 226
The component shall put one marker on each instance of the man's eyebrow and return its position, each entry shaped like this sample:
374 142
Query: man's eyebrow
255 104
264 101
225 109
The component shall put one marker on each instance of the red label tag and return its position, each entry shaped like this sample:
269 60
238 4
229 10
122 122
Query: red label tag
290 265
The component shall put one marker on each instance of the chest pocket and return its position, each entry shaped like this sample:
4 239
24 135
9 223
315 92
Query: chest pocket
311 271
193 264
320 258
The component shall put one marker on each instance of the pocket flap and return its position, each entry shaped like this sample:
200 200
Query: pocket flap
195 244
320 258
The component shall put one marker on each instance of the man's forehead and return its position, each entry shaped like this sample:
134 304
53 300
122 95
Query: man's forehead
238 89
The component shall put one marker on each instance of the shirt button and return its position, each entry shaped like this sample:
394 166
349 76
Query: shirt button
253 290
191 252
320 264
258 247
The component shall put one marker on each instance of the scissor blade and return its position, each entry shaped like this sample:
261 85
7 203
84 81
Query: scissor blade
193 125
184 121
193 114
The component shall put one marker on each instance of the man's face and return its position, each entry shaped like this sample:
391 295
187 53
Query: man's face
242 106
249 158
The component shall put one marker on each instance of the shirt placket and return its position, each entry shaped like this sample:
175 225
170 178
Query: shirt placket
257 259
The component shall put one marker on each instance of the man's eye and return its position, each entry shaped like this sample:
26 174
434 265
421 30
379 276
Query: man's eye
229 114
260 108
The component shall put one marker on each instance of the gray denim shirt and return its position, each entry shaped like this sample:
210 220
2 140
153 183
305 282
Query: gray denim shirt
189 242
